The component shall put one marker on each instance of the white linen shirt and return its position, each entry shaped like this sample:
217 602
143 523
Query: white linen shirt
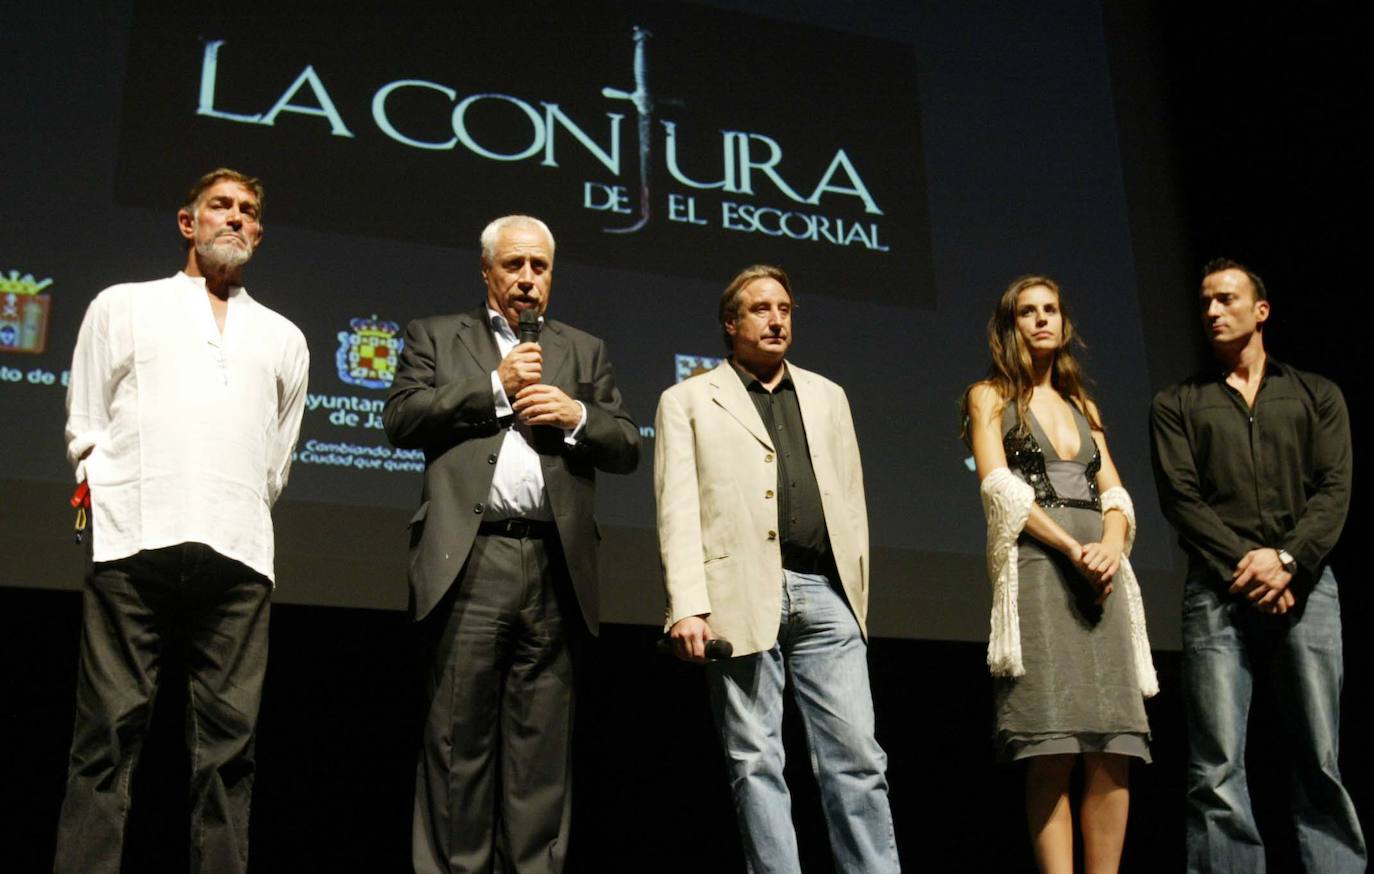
190 431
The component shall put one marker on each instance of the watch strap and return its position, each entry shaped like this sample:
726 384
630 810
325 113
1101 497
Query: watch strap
1286 559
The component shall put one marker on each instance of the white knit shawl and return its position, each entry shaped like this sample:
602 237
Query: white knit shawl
1007 502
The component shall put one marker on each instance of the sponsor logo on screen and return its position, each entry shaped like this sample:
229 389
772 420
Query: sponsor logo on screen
24 313
368 352
688 366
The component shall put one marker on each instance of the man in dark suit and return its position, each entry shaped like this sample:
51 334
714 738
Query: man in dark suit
503 555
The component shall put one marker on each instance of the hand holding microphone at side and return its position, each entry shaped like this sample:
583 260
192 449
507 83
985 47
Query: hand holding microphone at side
692 640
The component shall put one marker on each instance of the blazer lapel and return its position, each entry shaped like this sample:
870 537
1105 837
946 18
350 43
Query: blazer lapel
548 440
474 335
728 391
815 418
556 351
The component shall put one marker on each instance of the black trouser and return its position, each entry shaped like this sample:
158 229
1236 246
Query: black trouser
492 784
215 611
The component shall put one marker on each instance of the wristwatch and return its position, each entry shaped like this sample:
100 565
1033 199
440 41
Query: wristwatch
1286 559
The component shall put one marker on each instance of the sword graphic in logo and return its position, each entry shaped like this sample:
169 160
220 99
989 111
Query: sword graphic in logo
644 109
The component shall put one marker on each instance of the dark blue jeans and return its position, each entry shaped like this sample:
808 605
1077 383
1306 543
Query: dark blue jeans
1223 639
134 610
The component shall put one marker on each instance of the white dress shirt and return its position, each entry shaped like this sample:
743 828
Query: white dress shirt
190 431
517 485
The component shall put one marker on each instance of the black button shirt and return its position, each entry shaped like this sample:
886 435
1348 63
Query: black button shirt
1233 478
801 518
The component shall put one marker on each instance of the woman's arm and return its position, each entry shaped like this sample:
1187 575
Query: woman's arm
985 431
1102 559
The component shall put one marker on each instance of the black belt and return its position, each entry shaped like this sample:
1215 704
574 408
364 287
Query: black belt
520 529
806 562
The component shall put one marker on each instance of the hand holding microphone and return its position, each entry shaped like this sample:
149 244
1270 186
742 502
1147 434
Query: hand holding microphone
523 366
521 373
692 640
717 648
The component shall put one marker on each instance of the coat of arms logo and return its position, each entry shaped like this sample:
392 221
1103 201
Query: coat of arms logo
688 366
367 354
24 313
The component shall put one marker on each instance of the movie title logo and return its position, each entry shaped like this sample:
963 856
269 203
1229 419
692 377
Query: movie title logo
652 137
748 163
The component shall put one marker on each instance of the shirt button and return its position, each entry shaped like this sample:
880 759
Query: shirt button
768 458
772 535
491 459
477 508
768 494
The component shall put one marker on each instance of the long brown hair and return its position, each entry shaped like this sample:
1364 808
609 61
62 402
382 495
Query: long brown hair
1011 372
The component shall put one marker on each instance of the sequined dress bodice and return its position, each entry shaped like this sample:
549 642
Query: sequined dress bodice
1058 482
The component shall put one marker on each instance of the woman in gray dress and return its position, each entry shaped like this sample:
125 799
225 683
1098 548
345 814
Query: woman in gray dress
1072 692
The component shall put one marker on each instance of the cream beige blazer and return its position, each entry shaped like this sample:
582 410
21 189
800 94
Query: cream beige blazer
715 479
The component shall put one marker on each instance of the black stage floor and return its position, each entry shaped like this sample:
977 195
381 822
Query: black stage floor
339 725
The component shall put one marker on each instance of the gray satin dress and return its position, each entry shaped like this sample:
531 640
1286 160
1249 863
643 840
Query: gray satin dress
1079 693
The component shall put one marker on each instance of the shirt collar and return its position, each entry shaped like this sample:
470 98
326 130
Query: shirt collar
497 322
199 283
1272 367
750 380
499 326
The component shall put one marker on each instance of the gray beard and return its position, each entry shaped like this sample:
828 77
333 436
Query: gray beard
224 255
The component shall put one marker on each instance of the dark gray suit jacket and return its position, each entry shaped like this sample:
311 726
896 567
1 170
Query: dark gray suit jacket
441 402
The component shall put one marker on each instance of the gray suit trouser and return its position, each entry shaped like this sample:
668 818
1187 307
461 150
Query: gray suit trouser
492 783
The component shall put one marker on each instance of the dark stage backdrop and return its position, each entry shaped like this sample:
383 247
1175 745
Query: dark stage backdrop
903 164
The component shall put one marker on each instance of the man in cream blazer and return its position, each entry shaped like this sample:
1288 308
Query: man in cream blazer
764 540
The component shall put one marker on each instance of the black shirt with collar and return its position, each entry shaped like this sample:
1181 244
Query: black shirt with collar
801 517
1233 477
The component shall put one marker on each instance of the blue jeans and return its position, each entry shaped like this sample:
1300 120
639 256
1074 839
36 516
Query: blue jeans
1222 639
820 646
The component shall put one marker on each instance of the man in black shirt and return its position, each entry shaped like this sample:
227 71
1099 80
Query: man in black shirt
763 534
1253 466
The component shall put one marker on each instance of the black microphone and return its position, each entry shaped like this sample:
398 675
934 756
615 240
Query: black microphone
529 326
717 648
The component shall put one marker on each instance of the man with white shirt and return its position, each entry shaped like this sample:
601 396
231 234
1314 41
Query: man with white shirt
503 576
182 413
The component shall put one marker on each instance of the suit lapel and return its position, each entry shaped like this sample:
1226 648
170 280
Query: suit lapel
547 440
556 350
728 391
815 419
474 335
